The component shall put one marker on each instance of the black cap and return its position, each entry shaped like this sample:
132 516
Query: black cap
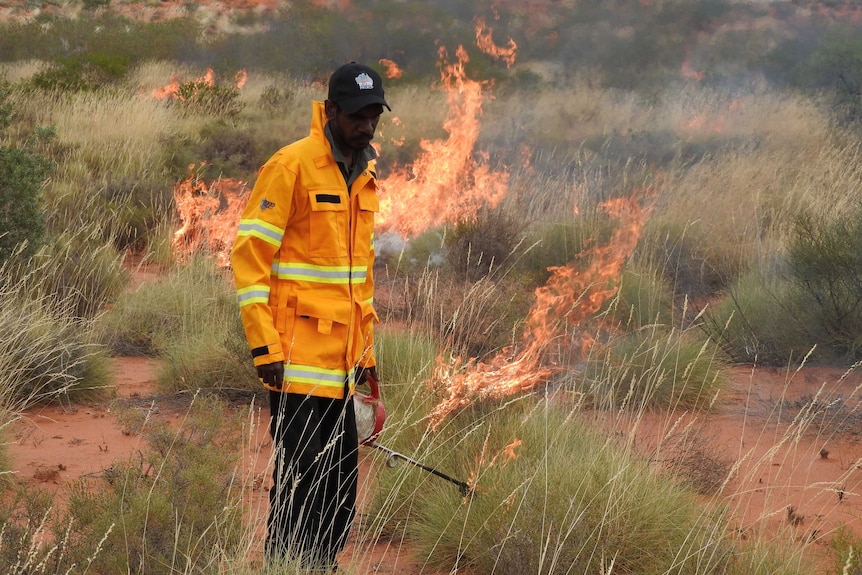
354 86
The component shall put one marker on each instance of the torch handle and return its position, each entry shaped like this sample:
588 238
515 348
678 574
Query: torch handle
462 486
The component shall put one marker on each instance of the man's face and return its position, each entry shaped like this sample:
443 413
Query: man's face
353 131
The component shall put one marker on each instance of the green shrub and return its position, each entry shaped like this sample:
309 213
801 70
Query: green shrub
812 300
753 323
230 152
482 247
204 99
83 72
45 349
82 270
173 508
825 267
475 319
216 359
653 368
845 549
190 318
552 495
189 300
6 108
405 357
644 298
275 101
558 244
684 256
22 172
26 518
831 64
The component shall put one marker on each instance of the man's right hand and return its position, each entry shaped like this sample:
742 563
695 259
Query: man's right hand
272 374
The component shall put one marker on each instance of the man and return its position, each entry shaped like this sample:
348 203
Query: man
302 262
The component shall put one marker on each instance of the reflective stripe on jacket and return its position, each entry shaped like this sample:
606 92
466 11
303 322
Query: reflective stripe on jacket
302 262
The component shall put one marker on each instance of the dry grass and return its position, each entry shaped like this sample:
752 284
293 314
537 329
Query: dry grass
758 159
120 134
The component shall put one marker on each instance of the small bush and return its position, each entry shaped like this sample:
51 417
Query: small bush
479 248
643 299
406 356
190 318
551 495
683 255
204 99
825 267
81 270
558 244
811 300
191 299
22 224
752 323
217 359
45 350
179 501
274 101
474 318
654 368
25 517
85 72
845 549
230 152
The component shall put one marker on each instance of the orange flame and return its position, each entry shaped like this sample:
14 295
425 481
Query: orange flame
509 450
485 42
572 294
392 69
445 183
688 72
209 216
169 90
240 79
508 454
172 88
711 120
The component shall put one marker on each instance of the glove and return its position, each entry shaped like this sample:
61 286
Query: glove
272 374
364 373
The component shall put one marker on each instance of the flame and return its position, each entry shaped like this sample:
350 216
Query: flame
446 182
209 216
711 120
571 296
485 42
508 454
509 450
688 72
172 88
392 69
240 79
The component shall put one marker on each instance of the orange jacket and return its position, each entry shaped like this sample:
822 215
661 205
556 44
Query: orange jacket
302 262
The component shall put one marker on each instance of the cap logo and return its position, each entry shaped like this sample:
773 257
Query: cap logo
365 82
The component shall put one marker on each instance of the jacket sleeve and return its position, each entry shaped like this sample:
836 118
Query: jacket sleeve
258 240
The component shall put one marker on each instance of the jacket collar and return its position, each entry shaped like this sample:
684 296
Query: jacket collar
318 131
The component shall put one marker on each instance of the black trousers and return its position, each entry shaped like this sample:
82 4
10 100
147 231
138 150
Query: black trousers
313 497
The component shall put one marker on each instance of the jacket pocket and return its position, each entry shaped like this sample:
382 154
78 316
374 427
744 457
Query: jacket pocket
319 334
328 223
368 204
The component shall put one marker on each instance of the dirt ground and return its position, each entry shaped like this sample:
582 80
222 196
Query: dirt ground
800 477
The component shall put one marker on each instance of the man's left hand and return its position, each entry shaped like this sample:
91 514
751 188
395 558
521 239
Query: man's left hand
363 374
